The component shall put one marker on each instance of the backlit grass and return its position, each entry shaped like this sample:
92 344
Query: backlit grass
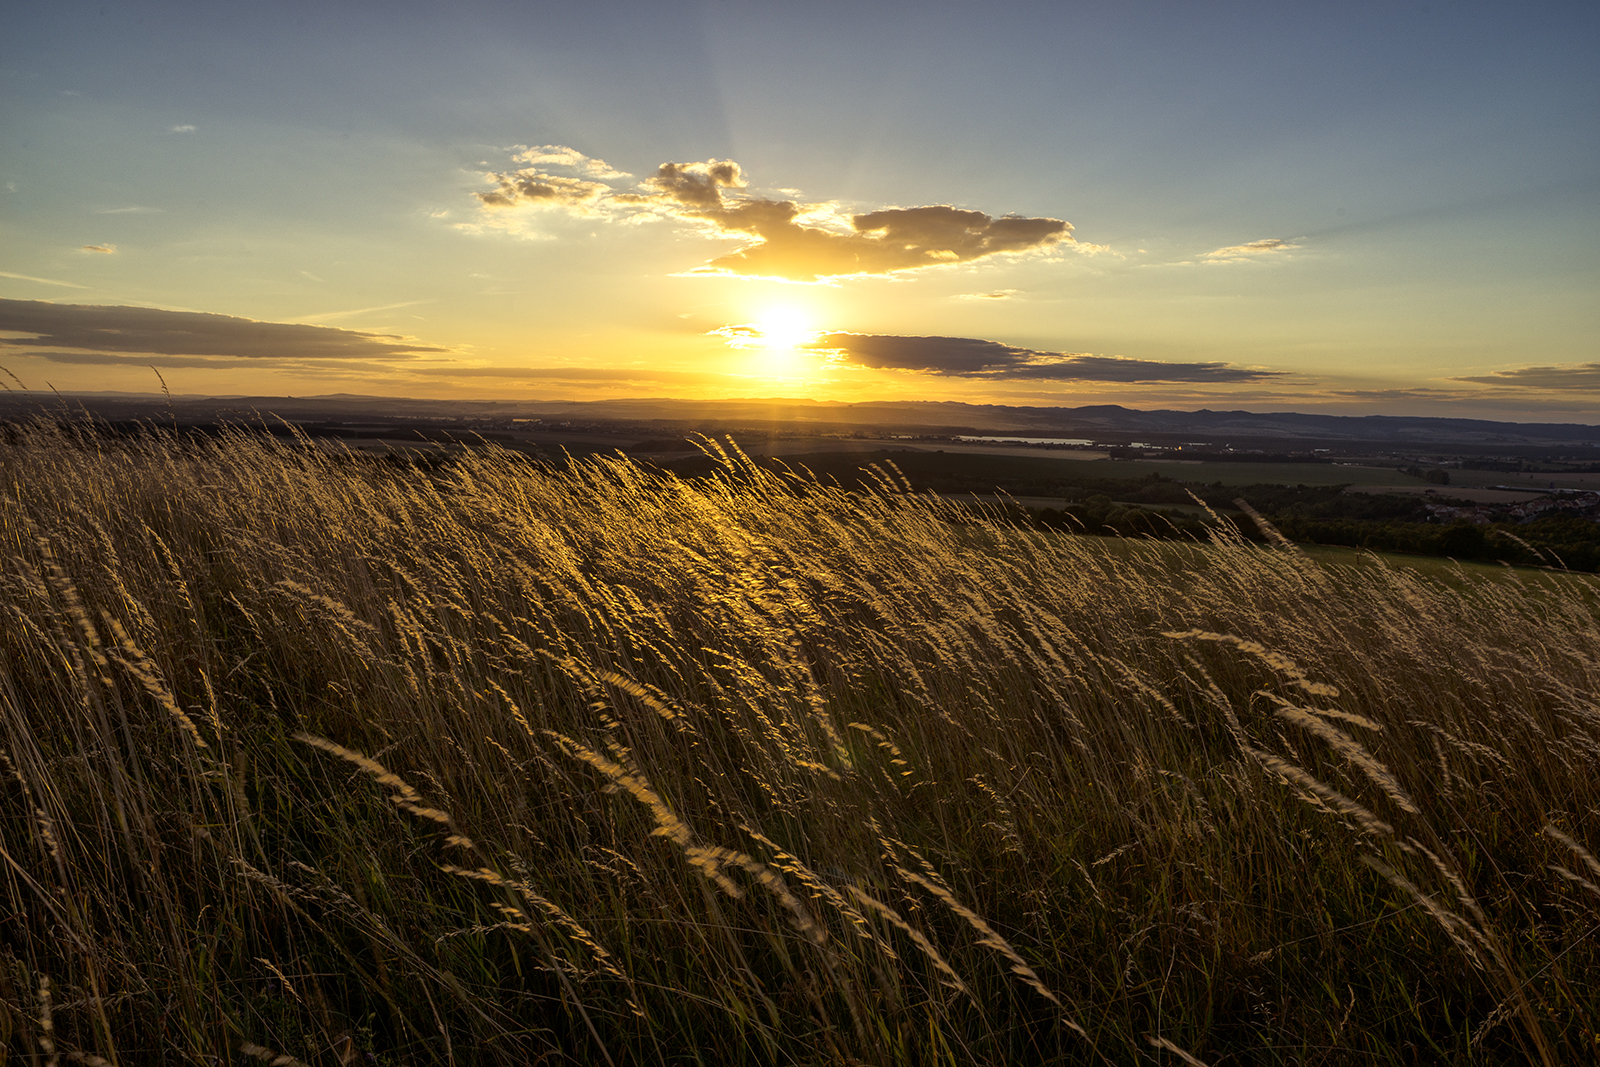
311 756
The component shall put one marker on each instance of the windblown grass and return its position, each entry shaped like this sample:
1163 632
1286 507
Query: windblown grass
307 758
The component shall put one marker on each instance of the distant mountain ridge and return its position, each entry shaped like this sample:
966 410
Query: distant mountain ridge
1102 421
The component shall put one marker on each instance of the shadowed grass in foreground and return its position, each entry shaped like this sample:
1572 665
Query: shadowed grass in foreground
314 757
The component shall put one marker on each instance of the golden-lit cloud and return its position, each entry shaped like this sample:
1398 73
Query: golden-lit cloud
1570 377
109 331
534 187
743 335
561 156
998 294
1267 247
970 357
109 250
785 239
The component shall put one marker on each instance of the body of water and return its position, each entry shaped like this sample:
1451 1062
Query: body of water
1029 440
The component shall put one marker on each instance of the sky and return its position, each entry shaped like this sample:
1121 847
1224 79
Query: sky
1385 208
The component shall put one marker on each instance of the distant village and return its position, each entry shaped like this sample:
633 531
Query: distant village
1559 503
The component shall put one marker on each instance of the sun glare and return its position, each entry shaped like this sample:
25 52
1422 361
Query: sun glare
776 340
784 328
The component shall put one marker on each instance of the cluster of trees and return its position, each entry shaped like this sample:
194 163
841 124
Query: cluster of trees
1436 476
1378 522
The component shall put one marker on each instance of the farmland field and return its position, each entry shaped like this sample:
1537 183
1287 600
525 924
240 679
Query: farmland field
320 758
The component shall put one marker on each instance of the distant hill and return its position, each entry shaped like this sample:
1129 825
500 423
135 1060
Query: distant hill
1106 422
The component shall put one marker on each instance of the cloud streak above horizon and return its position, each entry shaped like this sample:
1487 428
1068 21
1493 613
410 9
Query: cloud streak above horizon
785 239
1267 247
116 330
970 357
1571 377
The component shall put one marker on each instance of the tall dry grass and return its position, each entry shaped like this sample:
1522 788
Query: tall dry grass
311 758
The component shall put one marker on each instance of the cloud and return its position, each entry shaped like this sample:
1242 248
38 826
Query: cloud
532 188
784 238
109 250
1570 377
998 294
740 336
969 357
358 311
581 374
1267 247
134 210
41 281
108 329
562 156
538 189
107 359
182 129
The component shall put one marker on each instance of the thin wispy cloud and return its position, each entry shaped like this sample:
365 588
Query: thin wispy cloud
324 316
1570 377
971 357
182 129
998 294
134 209
112 330
108 250
1267 247
41 281
785 239
580 374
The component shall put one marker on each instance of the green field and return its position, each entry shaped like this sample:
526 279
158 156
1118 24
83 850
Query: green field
1256 473
328 759
984 472
1562 480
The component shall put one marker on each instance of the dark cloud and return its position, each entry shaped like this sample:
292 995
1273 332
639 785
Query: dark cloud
696 186
107 359
533 188
970 357
1087 368
152 331
792 241
1572 377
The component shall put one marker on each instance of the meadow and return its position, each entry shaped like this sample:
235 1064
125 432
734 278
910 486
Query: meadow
981 470
318 758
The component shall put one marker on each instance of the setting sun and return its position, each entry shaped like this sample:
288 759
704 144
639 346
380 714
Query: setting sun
784 329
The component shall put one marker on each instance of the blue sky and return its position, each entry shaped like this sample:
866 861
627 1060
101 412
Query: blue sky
1345 207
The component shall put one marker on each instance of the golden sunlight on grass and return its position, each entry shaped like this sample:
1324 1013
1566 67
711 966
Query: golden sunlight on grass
317 758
